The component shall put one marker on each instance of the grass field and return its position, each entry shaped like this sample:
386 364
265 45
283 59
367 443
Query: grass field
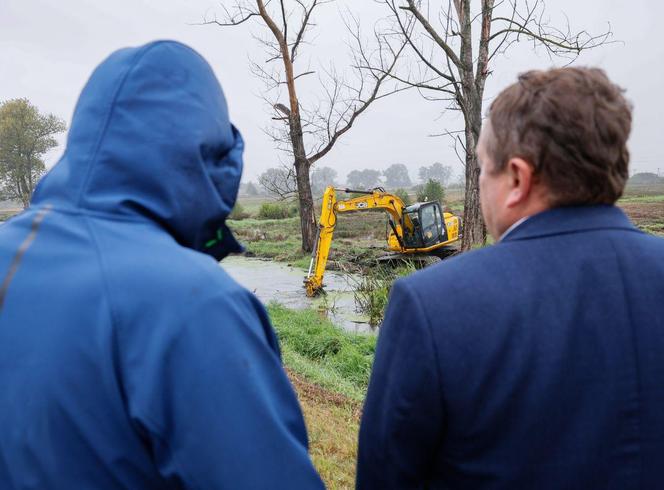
332 425
330 371
644 204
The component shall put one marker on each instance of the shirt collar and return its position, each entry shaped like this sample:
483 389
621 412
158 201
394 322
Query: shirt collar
514 226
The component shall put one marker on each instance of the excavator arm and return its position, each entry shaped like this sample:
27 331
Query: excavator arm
375 199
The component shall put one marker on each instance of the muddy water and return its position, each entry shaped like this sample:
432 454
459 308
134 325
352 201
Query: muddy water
275 281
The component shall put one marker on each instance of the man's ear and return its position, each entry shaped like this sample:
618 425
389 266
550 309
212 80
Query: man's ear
520 174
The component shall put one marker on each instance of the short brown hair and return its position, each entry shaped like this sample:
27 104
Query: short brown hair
571 125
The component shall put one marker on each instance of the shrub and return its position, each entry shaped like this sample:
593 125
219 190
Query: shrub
238 212
276 210
432 190
403 195
373 290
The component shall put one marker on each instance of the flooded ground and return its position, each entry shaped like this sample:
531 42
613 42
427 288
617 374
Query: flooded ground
276 281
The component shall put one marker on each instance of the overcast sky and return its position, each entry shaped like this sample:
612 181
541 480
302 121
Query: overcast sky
49 48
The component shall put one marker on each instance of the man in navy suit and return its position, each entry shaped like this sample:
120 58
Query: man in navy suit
538 362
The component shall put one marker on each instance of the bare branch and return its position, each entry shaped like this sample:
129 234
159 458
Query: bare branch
303 74
280 182
240 15
449 52
305 24
377 66
483 53
283 17
530 24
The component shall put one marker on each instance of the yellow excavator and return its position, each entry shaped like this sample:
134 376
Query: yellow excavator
421 228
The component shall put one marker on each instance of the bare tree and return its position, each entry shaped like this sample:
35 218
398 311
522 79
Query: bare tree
279 182
307 134
451 65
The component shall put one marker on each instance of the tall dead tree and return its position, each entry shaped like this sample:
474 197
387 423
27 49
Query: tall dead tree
451 64
307 134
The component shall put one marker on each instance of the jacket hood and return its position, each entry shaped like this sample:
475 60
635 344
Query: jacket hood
151 139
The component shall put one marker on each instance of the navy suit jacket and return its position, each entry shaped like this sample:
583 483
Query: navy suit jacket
536 363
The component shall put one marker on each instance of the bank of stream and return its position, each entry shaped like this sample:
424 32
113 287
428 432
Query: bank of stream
276 281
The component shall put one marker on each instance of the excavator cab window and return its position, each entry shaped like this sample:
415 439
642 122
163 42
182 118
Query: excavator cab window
411 228
430 224
423 225
439 232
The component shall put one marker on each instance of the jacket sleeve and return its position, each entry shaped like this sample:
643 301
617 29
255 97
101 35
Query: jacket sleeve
401 427
214 404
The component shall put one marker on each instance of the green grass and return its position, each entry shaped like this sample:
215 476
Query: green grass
655 189
266 225
655 228
5 215
322 353
358 239
333 422
302 262
641 198
277 239
252 204
288 250
330 371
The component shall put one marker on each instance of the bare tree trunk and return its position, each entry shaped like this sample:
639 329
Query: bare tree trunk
474 230
304 196
306 201
24 193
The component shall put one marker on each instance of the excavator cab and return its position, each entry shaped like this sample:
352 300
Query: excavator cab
423 225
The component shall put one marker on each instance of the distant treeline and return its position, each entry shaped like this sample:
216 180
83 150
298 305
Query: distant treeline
280 181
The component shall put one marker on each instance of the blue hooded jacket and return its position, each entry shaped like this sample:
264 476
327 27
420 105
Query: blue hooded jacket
128 358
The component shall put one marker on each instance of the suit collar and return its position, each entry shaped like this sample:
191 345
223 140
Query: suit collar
569 220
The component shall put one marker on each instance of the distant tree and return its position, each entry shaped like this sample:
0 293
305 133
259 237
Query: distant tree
432 190
321 177
645 178
396 175
437 171
25 136
251 189
363 179
279 182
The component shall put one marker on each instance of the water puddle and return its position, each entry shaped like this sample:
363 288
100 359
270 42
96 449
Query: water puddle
276 281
